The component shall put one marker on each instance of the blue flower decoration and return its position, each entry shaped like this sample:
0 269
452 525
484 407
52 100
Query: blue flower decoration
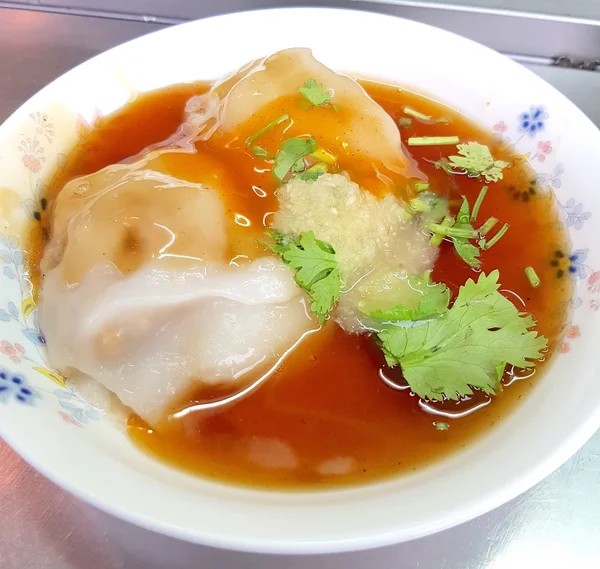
532 122
576 266
14 386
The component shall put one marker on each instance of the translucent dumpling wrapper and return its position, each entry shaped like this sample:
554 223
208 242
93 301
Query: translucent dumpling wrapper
139 295
247 97
213 328
130 214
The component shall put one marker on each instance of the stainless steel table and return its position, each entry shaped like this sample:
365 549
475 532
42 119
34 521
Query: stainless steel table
554 526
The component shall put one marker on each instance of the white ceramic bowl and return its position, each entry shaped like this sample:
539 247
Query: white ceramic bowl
69 441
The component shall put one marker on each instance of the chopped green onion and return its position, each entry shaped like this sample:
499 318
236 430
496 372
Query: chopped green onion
335 108
481 243
440 426
432 140
404 122
416 114
437 238
478 202
422 117
447 231
497 237
266 129
532 277
488 226
421 187
259 151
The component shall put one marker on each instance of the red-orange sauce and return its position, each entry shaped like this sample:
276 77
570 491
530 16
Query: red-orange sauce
325 418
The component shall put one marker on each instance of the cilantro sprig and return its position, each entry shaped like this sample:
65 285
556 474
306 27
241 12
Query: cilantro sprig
315 93
461 232
466 347
475 160
316 268
468 252
290 157
433 300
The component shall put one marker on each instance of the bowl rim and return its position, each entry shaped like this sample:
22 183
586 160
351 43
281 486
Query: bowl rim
565 449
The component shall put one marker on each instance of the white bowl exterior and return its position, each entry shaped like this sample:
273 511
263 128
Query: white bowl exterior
72 444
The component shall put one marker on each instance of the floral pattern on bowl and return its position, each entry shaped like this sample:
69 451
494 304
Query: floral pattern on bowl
21 340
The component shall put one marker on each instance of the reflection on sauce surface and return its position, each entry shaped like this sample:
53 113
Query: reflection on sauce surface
325 417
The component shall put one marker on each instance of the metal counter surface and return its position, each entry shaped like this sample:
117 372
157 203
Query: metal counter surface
556 525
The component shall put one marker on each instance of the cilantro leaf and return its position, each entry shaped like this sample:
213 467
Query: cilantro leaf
467 347
316 267
476 160
468 252
324 293
315 93
282 242
460 231
433 301
313 172
290 157
463 216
